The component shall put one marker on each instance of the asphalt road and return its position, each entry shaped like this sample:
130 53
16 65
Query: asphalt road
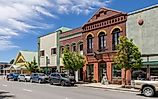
23 90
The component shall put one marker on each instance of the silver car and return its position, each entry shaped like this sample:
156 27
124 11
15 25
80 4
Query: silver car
27 78
21 77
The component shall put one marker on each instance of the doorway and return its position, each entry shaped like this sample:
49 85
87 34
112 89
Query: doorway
101 71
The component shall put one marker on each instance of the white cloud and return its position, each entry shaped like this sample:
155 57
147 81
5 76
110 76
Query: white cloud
23 16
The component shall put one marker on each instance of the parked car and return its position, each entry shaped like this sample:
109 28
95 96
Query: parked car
147 88
27 78
39 77
12 76
61 78
21 77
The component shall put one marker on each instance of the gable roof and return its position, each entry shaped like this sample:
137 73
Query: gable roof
28 56
103 13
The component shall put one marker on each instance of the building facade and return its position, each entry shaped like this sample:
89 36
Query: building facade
100 37
142 27
48 49
73 41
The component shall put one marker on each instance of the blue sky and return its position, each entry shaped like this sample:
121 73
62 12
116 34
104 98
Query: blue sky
23 21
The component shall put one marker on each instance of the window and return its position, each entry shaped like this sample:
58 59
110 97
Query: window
116 72
102 41
62 50
74 48
89 44
81 47
42 53
53 51
115 38
67 46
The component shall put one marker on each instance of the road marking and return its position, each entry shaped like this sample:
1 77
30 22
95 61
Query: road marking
4 85
66 98
27 90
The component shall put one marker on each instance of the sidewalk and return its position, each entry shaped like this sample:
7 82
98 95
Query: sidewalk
110 86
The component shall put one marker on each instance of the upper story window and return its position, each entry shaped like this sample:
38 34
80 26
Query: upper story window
42 53
89 44
53 51
115 38
102 41
81 47
73 47
68 47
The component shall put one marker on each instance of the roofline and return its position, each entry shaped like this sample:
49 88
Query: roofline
27 51
72 29
143 9
47 34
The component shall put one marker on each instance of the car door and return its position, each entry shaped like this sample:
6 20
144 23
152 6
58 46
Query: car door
58 78
36 77
53 78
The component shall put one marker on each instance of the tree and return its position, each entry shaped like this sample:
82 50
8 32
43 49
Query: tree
72 61
32 66
128 56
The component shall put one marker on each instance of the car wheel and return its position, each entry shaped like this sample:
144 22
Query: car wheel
62 83
51 82
25 80
39 81
31 80
148 91
7 79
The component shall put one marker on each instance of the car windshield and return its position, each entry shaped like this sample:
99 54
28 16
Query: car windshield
64 75
27 75
41 74
16 74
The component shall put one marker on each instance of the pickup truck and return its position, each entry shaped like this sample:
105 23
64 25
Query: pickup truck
147 88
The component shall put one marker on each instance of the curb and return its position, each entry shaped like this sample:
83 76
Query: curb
130 90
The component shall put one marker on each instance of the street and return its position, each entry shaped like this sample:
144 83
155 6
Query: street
27 90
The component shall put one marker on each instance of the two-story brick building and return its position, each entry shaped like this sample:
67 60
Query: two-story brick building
100 37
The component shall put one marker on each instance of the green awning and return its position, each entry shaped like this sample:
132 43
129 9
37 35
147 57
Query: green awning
151 63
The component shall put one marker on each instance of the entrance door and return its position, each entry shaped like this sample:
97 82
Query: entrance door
80 74
102 70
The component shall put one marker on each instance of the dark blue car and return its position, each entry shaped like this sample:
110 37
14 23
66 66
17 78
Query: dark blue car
12 76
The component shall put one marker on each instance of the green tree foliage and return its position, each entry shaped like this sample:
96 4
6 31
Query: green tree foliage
72 61
128 56
32 66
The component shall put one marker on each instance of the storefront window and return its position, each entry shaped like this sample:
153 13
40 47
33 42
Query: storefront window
116 72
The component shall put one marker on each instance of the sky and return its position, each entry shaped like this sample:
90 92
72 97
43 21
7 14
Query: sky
23 21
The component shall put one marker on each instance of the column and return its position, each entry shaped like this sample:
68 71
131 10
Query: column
128 76
84 72
96 72
109 71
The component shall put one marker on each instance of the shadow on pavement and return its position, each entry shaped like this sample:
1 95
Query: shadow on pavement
3 95
155 96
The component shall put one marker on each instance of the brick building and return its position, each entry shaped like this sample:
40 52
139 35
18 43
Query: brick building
72 39
100 37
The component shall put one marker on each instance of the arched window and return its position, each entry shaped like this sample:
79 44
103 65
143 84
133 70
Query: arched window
89 44
68 47
115 38
73 47
80 46
102 41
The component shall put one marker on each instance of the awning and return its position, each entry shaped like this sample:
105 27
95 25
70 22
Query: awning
151 63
